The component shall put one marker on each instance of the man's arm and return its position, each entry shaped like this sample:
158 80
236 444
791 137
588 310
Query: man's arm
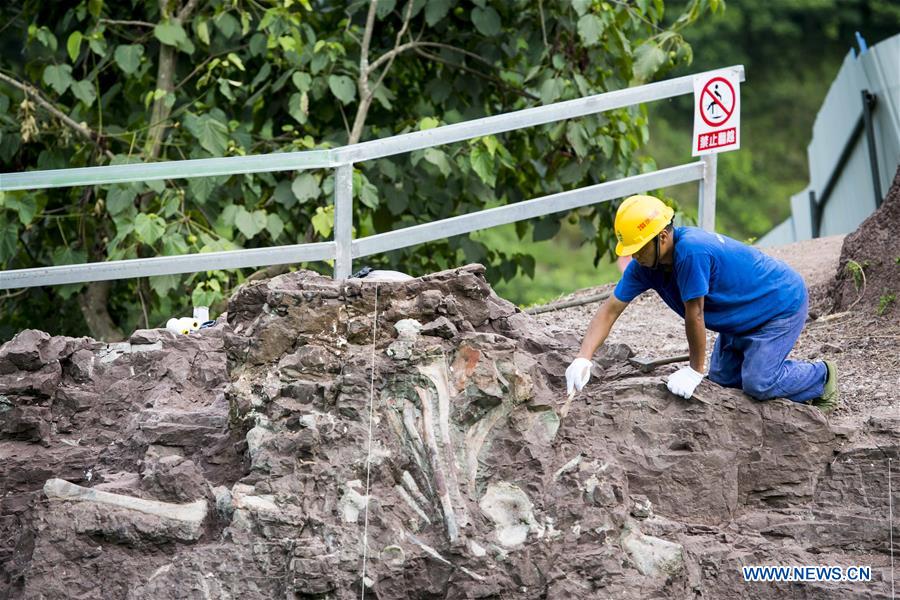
695 329
600 325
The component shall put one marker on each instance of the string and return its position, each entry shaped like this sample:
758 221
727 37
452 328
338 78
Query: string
369 452
891 526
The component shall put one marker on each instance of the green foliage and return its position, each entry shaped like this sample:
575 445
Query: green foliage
884 302
791 52
856 270
281 76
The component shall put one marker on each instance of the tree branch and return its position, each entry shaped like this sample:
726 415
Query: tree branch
188 9
164 81
364 50
199 67
491 78
400 33
127 23
365 94
33 93
389 55
460 50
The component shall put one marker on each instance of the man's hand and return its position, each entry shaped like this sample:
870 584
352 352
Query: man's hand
684 381
577 375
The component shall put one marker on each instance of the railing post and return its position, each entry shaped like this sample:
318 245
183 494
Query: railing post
706 216
343 220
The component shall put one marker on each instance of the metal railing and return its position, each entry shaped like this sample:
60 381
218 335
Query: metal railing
343 249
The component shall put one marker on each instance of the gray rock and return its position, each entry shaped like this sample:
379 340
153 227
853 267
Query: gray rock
471 484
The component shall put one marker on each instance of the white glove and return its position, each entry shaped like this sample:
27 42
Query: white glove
182 325
684 381
188 324
578 374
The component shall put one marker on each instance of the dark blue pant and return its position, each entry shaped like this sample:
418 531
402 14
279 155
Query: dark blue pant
757 362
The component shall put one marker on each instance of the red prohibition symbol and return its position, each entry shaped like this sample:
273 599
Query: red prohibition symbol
711 99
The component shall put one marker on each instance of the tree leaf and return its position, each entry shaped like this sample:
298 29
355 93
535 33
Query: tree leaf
545 228
64 255
202 29
157 185
581 6
483 164
551 90
342 87
384 8
428 123
649 57
302 81
323 220
236 60
212 134
298 108
384 95
578 137
170 33
486 21
128 57
590 28
9 240
59 77
305 187
24 204
368 193
283 194
259 219
118 198
474 252
246 222
163 283
274 225
84 91
438 158
73 45
175 245
202 187
227 24
149 227
436 10
97 44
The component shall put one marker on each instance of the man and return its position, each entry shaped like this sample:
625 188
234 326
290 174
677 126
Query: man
757 304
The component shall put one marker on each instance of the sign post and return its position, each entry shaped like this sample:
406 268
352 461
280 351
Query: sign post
717 128
717 113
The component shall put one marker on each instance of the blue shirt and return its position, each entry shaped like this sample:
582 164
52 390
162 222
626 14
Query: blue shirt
744 288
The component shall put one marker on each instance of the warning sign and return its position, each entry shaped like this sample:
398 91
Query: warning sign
717 113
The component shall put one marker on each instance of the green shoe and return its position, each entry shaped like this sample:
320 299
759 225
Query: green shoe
829 400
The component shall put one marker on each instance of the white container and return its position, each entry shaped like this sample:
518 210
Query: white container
173 325
201 313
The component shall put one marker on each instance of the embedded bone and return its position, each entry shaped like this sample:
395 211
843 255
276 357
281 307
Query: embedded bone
440 479
193 512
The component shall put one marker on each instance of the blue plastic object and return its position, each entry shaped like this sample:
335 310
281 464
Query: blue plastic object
861 43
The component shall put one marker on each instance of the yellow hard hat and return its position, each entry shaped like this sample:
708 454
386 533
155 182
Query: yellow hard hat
638 220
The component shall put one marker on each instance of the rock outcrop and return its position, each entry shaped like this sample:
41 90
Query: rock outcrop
406 437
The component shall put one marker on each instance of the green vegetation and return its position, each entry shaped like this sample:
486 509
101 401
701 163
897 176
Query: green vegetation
884 302
791 52
856 270
562 265
114 81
